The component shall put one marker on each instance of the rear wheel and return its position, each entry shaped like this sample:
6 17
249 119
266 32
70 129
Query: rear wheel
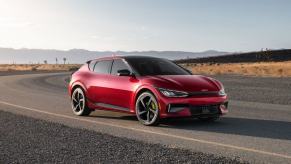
147 109
79 104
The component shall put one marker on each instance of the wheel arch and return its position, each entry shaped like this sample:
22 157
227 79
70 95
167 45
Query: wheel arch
78 85
141 90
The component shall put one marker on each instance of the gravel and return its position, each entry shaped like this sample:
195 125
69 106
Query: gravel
257 89
28 140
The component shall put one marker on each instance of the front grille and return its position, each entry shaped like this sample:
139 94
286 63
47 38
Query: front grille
204 109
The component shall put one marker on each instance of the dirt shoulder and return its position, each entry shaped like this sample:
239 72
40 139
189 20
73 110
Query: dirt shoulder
38 67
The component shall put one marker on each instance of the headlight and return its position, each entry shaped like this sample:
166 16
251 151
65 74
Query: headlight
172 93
222 92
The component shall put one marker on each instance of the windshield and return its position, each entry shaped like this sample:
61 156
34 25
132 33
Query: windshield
155 66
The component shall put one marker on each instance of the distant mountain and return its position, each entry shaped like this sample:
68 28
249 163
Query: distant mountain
27 56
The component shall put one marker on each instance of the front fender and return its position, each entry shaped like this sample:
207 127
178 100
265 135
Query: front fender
149 87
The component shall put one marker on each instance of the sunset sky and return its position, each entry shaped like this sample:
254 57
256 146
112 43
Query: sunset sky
187 25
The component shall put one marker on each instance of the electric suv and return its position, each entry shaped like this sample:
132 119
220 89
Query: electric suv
151 88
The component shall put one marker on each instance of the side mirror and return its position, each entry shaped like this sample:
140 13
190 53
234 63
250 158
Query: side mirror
124 72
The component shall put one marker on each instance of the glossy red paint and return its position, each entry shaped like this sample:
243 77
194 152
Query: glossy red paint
122 91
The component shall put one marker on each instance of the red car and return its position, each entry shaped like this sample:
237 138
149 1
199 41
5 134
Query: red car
152 88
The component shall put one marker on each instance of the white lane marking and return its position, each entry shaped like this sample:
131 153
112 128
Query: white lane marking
151 132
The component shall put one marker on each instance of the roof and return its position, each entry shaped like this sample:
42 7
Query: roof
124 57
137 57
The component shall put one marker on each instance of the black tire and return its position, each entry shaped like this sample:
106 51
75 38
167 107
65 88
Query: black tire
209 119
147 109
79 103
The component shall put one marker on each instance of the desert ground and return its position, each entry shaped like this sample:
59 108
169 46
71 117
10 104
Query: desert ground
264 69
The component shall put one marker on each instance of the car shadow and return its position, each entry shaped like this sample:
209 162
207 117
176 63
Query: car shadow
124 117
237 126
227 125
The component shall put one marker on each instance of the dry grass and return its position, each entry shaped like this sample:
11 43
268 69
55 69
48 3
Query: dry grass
38 67
273 69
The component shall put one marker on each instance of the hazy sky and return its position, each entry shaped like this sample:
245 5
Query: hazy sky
188 25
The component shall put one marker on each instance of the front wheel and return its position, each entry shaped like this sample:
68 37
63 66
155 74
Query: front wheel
79 105
147 109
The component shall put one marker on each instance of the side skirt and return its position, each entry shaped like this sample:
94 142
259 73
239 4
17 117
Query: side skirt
112 107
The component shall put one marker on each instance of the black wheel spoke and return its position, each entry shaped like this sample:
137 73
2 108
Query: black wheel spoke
75 100
148 116
76 108
142 112
150 101
143 104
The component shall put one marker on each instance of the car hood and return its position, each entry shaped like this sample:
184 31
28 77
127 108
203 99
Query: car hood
189 83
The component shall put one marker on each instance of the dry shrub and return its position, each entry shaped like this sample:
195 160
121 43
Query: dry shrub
281 71
33 69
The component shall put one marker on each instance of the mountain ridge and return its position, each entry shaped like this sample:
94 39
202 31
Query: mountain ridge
28 56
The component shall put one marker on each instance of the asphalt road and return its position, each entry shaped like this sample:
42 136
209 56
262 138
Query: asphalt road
29 140
257 129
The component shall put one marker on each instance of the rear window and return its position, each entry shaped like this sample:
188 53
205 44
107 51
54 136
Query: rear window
103 67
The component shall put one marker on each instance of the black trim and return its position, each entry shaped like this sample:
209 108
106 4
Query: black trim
112 106
197 110
173 108
204 109
205 93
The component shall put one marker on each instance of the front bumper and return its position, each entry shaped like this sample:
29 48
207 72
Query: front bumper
193 106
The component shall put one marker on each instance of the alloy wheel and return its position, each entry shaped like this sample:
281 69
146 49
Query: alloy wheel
78 101
147 109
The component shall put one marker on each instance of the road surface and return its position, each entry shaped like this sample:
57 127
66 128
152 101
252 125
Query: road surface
257 129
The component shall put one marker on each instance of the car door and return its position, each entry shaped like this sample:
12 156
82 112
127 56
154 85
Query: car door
121 87
98 83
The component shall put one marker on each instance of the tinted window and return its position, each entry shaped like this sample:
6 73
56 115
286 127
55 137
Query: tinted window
118 65
91 65
155 66
103 67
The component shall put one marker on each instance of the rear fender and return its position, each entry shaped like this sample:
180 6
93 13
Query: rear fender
75 84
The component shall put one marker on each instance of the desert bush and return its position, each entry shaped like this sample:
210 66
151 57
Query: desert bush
73 68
